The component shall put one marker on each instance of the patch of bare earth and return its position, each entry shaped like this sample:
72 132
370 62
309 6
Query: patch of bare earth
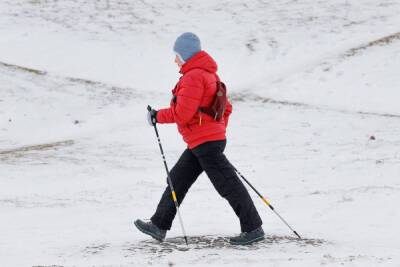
40 147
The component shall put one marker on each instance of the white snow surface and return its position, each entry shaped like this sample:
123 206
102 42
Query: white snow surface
316 128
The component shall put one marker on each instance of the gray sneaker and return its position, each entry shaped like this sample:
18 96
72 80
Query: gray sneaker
150 229
247 238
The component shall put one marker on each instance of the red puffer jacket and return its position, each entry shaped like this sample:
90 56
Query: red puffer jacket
196 88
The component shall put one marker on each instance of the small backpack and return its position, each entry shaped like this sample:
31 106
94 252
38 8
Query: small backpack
217 107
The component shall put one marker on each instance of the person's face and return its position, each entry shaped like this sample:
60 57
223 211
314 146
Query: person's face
178 61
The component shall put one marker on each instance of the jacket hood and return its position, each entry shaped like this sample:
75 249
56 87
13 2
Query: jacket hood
201 60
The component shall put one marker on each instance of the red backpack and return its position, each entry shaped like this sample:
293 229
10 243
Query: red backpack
217 107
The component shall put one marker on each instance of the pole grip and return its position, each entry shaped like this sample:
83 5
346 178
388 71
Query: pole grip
149 108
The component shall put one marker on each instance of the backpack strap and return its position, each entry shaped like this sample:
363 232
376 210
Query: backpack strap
214 110
202 109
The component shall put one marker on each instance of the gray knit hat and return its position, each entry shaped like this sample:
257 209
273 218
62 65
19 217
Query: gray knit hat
187 45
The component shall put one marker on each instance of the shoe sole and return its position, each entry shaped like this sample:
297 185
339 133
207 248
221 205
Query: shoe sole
148 233
248 242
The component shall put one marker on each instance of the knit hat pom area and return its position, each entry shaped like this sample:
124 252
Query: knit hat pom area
187 45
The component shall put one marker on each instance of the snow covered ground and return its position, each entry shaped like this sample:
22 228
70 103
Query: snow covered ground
311 83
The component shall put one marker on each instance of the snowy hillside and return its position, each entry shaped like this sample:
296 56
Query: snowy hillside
316 128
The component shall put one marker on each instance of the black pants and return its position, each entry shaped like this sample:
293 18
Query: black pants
210 158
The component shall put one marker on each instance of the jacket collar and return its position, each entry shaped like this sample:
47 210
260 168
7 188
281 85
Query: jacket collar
201 60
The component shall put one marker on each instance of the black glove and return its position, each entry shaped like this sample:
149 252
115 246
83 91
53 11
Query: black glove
151 116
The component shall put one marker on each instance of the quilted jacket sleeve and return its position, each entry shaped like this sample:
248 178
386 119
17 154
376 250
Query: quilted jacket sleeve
165 115
188 97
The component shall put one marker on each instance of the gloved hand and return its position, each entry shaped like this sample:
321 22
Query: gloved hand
151 116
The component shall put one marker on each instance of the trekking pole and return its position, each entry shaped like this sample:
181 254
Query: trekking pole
170 181
266 202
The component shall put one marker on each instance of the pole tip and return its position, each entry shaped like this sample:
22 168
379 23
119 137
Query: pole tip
186 240
297 234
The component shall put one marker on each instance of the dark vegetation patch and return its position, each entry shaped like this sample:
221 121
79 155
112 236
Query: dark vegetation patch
379 42
39 147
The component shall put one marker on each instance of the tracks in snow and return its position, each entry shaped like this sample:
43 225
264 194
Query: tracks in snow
170 245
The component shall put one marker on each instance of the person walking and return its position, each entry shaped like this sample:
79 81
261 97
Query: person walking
205 137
